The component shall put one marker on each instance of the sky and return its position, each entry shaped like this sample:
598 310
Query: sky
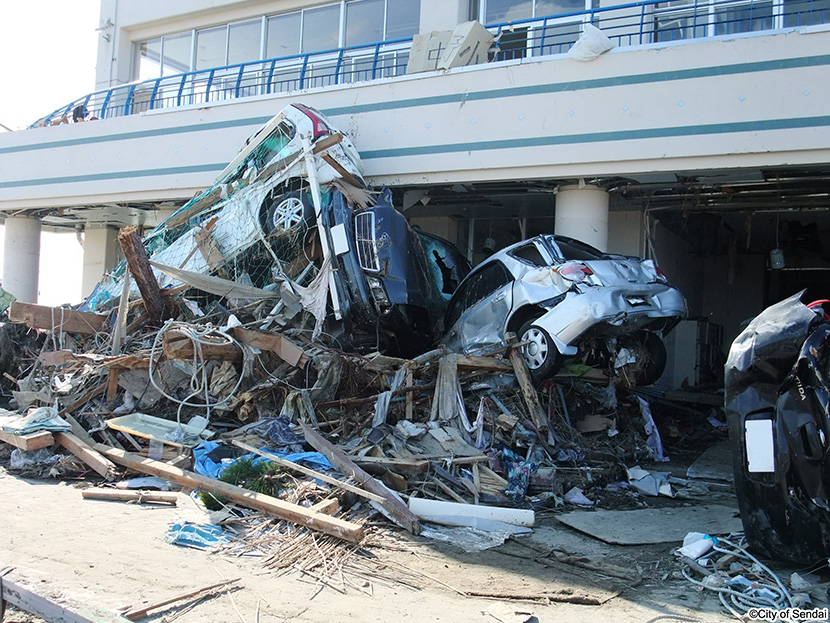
47 59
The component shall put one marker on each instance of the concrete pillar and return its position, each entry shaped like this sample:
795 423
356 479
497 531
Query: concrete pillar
100 252
443 14
21 258
582 213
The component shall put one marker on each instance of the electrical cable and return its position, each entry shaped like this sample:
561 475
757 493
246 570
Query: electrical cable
197 385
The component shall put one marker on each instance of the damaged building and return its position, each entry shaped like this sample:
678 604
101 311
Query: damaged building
485 255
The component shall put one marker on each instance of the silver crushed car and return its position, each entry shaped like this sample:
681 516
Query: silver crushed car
562 298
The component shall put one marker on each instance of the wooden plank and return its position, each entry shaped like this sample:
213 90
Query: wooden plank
137 260
112 384
78 430
27 600
284 510
87 454
396 509
445 402
329 507
139 613
29 442
534 407
179 346
309 472
209 248
118 495
288 351
58 318
476 362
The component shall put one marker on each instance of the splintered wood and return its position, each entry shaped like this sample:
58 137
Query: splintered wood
325 560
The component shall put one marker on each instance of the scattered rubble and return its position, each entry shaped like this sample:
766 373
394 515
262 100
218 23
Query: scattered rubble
251 377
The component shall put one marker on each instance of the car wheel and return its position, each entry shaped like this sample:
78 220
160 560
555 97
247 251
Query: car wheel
651 355
288 221
539 351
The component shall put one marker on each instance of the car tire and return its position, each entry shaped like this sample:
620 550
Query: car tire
540 353
288 220
650 346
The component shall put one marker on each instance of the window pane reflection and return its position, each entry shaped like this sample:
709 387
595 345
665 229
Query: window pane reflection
324 34
364 22
243 42
283 35
210 47
403 18
176 54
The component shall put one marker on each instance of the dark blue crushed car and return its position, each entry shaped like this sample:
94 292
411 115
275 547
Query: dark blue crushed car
778 412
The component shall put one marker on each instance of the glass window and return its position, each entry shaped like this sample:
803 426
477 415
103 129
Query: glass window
243 41
149 59
177 54
210 47
403 18
531 254
283 35
746 18
364 22
806 12
507 10
575 250
321 28
555 7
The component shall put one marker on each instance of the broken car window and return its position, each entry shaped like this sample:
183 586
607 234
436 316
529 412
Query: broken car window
477 287
575 250
530 253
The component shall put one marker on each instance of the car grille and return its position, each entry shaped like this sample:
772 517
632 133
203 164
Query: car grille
367 250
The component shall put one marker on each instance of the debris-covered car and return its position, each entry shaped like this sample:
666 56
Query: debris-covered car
562 297
291 216
777 401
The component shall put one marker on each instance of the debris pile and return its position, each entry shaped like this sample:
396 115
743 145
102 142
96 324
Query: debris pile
264 348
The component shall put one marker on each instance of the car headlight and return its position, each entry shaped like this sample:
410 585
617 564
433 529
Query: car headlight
378 291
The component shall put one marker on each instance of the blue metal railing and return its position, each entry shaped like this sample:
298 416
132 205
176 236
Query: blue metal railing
637 23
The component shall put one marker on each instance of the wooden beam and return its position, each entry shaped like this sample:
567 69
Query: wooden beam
29 442
490 364
179 346
118 495
58 318
139 613
139 263
287 350
27 600
307 471
87 454
392 505
274 506
534 407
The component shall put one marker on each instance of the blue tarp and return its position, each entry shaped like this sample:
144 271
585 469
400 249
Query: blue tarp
205 465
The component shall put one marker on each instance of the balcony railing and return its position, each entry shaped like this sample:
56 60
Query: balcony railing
638 23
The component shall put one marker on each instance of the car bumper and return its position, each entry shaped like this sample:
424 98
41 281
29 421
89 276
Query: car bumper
612 310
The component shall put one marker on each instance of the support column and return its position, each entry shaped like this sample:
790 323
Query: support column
100 252
21 258
582 213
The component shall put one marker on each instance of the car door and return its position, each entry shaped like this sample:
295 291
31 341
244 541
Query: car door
480 308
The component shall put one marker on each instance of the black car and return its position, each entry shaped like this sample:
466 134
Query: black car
777 407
